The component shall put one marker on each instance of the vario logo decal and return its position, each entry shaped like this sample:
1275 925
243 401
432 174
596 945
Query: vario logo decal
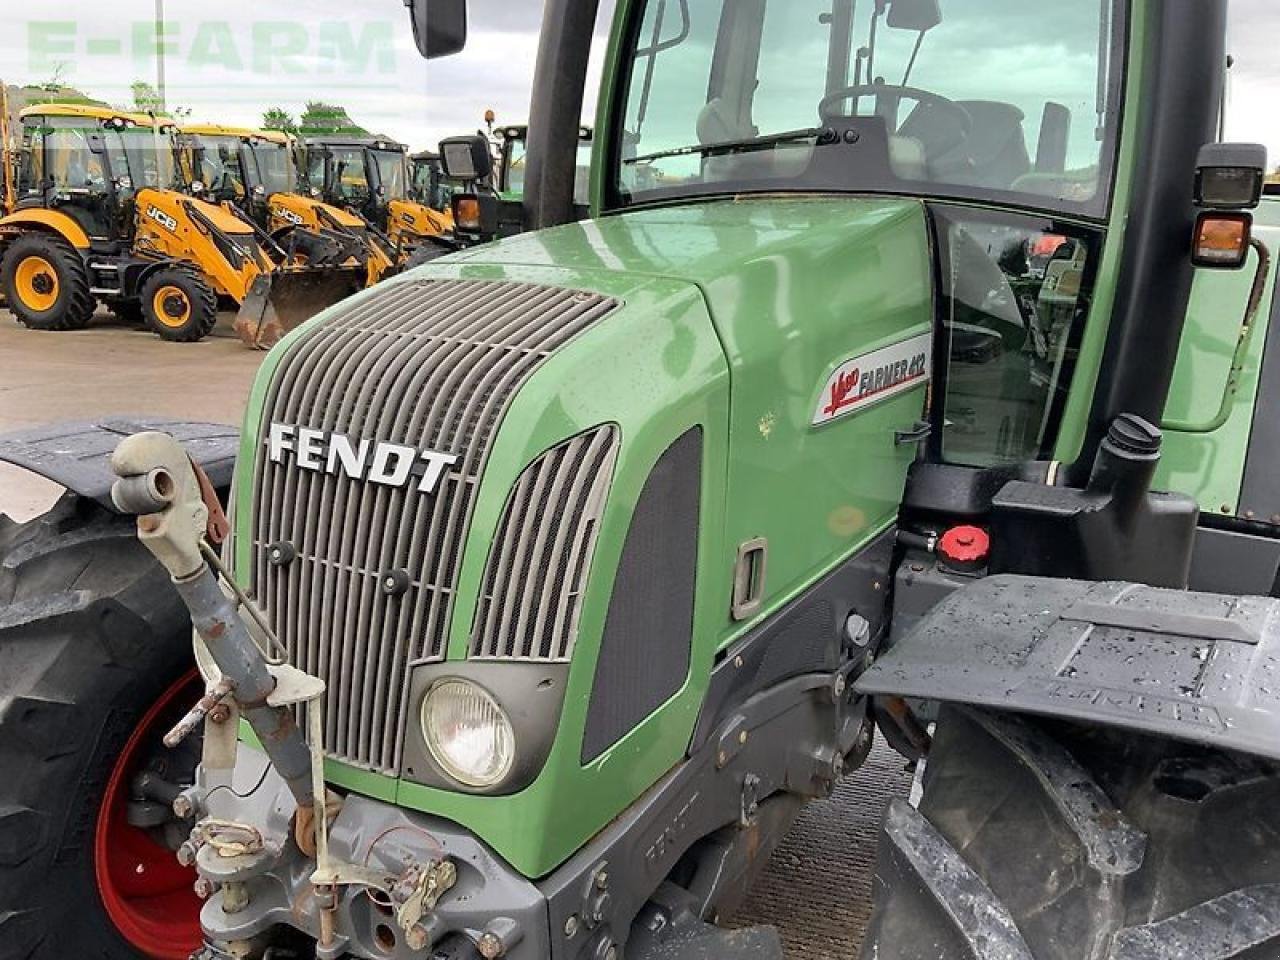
162 218
388 464
866 380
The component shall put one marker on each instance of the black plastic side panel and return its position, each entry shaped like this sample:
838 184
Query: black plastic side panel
76 454
1260 494
1192 666
806 637
1231 561
644 654
1180 97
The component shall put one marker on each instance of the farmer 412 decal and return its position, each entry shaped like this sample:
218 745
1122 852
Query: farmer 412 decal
862 381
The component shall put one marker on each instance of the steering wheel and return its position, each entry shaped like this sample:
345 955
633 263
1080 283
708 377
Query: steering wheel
963 123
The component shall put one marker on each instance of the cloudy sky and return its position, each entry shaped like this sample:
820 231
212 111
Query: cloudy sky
229 61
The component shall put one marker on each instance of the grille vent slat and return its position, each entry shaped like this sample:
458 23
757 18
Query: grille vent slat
429 364
540 557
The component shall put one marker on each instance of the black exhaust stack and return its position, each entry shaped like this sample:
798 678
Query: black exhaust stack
564 52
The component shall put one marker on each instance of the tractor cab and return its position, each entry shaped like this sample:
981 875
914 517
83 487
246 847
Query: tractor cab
90 164
371 178
247 168
427 184
513 150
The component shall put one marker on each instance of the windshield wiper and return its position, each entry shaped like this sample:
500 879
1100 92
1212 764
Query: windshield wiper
820 136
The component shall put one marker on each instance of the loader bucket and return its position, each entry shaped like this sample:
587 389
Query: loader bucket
285 299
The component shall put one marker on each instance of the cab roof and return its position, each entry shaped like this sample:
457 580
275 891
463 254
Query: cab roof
378 143
219 130
520 131
88 112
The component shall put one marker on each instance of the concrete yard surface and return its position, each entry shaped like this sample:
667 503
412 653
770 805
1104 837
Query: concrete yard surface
816 889
111 369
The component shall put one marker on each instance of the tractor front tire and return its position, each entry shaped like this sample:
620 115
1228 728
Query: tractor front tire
1036 840
95 663
179 305
46 283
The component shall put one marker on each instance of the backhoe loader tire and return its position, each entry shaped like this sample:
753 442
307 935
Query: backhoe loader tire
95 661
1036 840
46 283
179 305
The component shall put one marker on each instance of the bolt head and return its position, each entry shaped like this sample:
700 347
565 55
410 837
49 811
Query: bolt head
611 953
571 926
742 736
840 685
203 888
490 947
602 880
182 809
417 938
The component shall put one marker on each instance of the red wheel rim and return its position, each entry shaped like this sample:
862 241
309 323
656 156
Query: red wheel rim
147 894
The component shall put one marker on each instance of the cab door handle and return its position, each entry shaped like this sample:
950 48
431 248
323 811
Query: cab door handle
919 433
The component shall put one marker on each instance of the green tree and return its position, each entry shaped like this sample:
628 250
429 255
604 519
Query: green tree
277 118
327 119
146 99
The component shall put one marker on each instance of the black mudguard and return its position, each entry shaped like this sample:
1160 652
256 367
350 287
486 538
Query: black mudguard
76 454
1192 666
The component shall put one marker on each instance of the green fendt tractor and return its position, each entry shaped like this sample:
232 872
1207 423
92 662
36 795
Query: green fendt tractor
567 568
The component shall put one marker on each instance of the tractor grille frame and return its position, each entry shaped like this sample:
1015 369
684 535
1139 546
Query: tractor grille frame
429 364
538 564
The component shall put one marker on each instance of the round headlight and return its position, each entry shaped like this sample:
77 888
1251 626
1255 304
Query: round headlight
468 734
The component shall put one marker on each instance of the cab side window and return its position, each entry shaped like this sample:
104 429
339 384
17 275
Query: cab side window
1016 292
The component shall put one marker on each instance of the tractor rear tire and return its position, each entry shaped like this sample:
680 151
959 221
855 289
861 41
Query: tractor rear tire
179 305
1037 840
95 662
46 283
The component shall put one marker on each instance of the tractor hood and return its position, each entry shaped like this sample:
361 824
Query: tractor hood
716 245
440 477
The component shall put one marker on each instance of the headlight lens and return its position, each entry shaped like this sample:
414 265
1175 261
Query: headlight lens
467 733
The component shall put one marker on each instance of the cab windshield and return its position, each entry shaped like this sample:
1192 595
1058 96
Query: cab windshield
1006 100
393 175
149 154
272 166
216 164
59 155
516 152
347 179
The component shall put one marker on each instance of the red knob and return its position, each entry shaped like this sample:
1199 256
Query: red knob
965 546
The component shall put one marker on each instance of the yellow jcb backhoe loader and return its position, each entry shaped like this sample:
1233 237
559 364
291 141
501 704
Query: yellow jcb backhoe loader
371 178
253 172
99 218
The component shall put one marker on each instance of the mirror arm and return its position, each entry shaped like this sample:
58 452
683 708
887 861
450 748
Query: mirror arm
1245 338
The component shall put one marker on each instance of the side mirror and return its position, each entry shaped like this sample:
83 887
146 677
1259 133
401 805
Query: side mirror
466 158
439 26
918 15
